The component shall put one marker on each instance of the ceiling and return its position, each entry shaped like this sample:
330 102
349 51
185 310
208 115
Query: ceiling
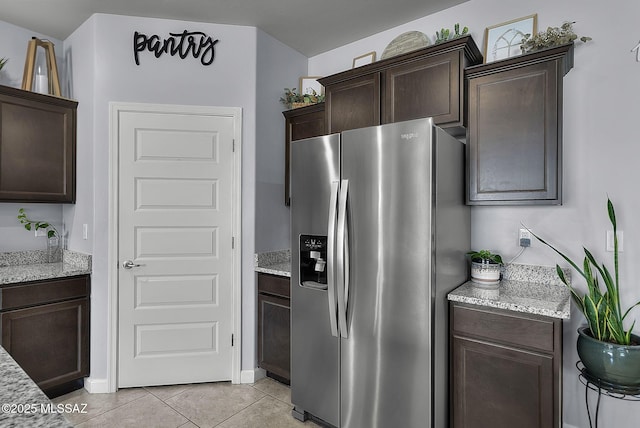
308 26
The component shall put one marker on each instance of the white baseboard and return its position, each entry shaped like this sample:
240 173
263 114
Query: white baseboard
251 376
96 386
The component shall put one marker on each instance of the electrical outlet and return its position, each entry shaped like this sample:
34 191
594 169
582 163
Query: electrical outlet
609 246
524 238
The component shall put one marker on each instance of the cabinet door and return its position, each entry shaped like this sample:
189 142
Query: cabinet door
50 342
37 147
274 342
515 136
430 87
353 103
495 386
304 122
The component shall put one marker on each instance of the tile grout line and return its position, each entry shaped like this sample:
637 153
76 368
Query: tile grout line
189 419
106 411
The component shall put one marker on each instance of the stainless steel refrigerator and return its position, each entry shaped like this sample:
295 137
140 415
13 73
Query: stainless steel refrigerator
379 232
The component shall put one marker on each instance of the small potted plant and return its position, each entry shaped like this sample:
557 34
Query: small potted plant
54 252
445 34
485 267
293 99
608 351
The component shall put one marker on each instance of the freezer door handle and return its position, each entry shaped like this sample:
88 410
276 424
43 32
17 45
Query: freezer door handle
342 258
331 240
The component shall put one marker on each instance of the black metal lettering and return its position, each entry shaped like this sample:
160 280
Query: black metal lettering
195 43
139 43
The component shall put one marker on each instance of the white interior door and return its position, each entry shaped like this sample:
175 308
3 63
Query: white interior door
175 231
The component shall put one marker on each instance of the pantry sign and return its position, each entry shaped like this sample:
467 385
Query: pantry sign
188 43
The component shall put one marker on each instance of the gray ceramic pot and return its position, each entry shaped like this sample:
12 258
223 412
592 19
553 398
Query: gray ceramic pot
616 364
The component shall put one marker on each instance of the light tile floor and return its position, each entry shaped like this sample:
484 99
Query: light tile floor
265 404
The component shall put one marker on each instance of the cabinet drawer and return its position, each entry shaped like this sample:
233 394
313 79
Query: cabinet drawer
507 327
36 293
273 284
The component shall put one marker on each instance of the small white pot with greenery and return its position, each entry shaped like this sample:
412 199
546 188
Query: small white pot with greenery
486 267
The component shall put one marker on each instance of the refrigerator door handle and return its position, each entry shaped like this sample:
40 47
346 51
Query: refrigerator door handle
331 254
342 280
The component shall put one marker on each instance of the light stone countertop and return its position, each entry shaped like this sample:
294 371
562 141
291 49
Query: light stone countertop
24 266
524 288
32 408
274 263
543 295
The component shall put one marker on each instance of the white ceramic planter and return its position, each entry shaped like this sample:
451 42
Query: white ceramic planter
485 273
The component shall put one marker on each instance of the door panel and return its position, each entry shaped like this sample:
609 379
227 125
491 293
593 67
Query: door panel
353 103
175 223
388 352
315 353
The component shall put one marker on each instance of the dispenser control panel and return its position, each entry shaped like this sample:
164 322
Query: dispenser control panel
313 261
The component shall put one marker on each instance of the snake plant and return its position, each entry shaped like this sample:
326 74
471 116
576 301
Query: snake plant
601 307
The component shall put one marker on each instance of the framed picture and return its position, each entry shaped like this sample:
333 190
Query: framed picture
308 84
502 41
365 59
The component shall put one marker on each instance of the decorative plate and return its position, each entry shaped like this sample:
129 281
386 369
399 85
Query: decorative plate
406 42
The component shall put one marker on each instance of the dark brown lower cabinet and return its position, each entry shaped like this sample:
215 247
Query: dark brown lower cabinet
45 328
506 369
274 326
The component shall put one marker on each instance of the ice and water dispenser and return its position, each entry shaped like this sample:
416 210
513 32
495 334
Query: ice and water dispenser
313 261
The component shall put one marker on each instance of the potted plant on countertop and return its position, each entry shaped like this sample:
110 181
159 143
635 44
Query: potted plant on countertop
608 351
54 252
485 267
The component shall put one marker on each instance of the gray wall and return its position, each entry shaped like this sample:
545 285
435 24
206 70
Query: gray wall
279 67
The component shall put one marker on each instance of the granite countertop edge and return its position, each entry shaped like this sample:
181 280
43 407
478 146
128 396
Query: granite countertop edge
274 263
519 296
16 388
33 269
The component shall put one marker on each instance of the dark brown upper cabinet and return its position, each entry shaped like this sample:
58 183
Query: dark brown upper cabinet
353 103
37 147
514 133
302 122
428 82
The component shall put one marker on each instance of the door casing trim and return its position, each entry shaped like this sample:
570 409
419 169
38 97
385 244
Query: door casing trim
115 108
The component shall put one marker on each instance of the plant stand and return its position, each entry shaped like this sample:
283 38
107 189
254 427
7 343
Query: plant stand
620 392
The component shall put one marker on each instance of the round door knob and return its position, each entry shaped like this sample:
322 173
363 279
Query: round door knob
128 264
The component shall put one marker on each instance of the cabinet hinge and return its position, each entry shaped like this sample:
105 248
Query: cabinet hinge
233 145
233 242
232 340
